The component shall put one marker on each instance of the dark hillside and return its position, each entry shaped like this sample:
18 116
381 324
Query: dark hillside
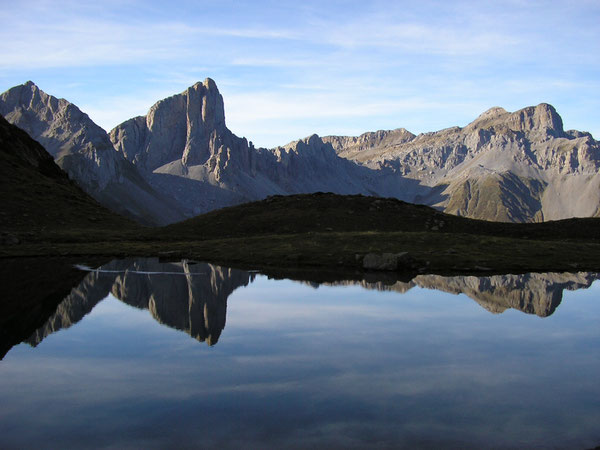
326 212
38 197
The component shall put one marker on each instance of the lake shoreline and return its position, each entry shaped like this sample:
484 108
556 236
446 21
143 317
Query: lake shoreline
433 253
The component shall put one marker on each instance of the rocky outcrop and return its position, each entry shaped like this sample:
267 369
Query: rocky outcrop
388 261
184 149
85 152
516 167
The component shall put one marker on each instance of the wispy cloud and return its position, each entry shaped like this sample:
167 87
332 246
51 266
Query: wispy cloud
344 65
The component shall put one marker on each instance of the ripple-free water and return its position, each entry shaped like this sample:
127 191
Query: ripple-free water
124 363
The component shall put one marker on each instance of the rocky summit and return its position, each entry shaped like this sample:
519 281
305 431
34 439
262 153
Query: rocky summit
184 149
513 167
84 151
181 160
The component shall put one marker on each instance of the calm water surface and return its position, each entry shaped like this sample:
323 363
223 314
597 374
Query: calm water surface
205 356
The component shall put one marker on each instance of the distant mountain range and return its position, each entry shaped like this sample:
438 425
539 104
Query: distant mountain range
180 160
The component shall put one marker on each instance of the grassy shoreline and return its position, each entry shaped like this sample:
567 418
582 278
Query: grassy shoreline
439 253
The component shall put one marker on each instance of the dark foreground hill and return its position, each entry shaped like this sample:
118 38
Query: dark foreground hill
327 212
38 197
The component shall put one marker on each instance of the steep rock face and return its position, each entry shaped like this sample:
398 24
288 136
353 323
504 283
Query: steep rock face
185 150
189 127
85 152
519 167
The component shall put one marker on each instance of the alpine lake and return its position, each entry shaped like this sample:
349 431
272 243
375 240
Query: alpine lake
149 354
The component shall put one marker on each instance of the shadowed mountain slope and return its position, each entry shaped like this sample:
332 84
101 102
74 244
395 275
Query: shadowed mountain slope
84 151
38 195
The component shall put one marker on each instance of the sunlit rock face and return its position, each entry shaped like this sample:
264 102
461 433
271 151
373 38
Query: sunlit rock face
85 152
181 160
513 167
184 149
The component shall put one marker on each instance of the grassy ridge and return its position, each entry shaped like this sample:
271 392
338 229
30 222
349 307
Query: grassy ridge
323 212
333 232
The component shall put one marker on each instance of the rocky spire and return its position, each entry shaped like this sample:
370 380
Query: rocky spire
189 126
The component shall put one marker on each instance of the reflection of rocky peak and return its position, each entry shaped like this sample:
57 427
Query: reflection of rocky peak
534 293
83 298
382 286
185 296
192 297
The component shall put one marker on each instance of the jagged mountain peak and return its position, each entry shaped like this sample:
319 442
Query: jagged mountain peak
85 152
311 140
189 127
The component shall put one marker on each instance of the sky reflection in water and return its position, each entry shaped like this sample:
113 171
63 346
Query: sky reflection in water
299 366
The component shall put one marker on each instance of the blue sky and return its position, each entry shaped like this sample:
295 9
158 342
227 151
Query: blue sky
290 69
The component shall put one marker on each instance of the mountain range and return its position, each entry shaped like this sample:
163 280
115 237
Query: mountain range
180 160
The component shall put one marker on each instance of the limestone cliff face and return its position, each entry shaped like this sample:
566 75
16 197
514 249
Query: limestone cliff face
85 152
518 167
186 151
189 127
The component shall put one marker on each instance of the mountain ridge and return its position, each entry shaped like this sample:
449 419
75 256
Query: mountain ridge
505 166
84 151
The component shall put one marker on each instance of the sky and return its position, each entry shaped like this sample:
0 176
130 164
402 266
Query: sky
290 69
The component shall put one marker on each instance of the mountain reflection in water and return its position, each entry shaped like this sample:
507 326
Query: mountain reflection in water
296 367
192 297
186 296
